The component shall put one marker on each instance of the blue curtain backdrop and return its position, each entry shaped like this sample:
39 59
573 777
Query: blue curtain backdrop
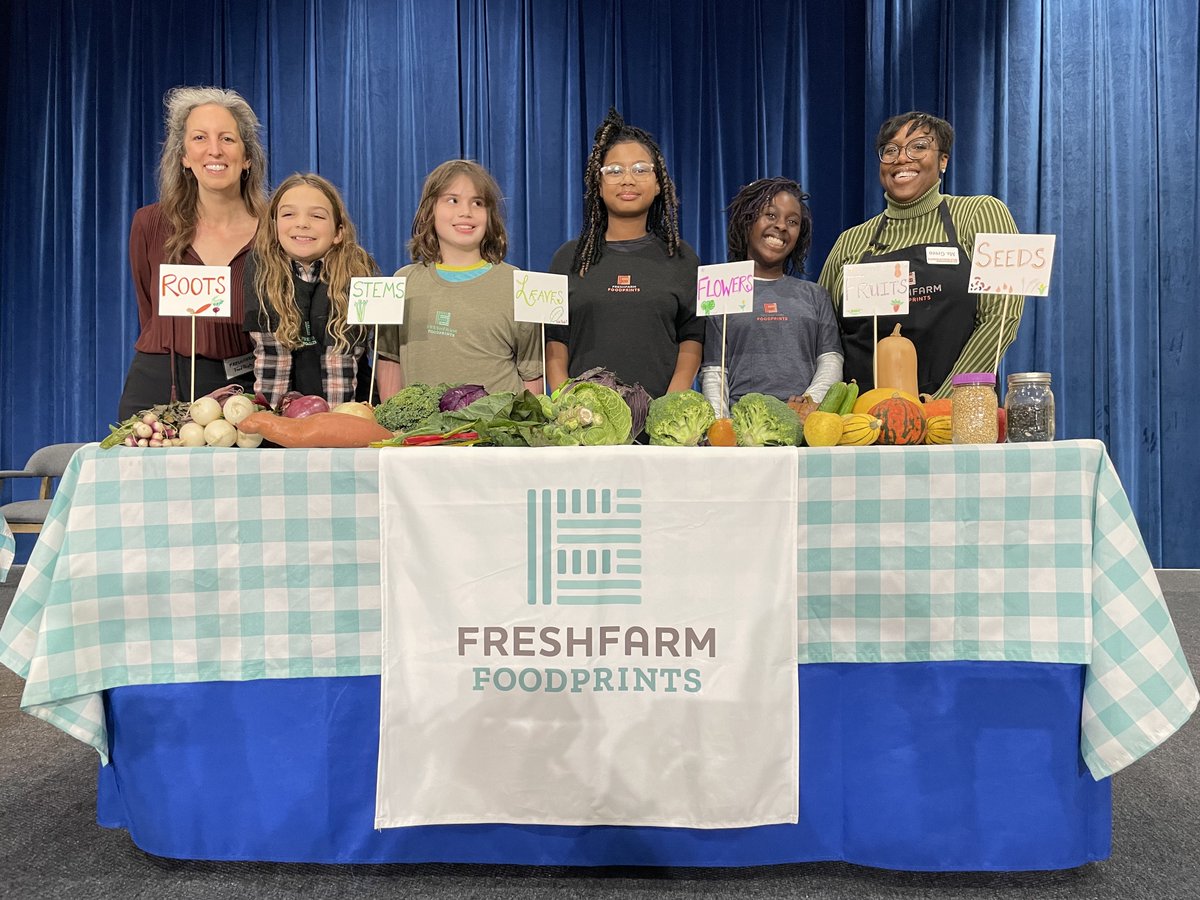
1080 114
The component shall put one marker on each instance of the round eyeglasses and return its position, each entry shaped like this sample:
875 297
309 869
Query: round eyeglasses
916 149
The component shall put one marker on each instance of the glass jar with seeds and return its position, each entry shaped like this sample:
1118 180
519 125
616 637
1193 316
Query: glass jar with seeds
1029 406
973 418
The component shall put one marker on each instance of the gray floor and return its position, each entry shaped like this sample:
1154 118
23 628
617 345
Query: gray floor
51 847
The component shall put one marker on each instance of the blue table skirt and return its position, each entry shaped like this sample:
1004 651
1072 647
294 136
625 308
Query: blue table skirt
922 766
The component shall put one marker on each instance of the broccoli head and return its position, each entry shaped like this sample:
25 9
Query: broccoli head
760 420
408 408
681 419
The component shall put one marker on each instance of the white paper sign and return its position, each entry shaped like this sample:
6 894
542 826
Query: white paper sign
592 650
540 297
377 301
875 289
1012 264
194 291
725 288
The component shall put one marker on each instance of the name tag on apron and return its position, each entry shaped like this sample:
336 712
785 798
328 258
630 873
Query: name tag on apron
941 256
239 365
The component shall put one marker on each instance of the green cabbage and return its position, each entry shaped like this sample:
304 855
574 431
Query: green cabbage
589 414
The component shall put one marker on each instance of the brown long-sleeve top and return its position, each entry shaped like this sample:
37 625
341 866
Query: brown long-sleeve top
215 338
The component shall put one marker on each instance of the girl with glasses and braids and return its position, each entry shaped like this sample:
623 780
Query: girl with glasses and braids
632 280
790 346
954 330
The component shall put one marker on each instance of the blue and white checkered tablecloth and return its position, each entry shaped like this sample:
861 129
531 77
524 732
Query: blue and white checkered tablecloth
7 548
199 565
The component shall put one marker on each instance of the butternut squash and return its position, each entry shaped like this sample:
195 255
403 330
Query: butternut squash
896 362
327 429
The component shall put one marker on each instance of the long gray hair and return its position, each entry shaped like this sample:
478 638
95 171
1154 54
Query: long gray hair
177 190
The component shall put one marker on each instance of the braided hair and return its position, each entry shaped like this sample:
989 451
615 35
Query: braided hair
662 218
749 204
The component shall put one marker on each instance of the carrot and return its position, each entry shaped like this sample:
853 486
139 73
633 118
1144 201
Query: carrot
327 429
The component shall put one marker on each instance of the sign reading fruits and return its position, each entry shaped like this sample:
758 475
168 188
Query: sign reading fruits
875 289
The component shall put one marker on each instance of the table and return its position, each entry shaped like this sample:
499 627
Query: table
1007 587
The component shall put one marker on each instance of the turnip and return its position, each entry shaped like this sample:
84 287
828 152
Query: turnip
142 430
219 433
248 440
237 408
353 408
191 434
204 411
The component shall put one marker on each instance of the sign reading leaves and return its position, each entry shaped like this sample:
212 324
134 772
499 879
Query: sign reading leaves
194 291
540 297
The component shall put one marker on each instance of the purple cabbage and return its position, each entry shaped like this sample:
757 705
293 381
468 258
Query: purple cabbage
634 395
458 397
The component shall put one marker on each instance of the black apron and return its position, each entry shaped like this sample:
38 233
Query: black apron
941 314
312 301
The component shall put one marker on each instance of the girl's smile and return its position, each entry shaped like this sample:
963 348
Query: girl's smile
305 225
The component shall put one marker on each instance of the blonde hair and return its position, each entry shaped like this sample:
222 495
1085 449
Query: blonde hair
343 261
177 189
424 246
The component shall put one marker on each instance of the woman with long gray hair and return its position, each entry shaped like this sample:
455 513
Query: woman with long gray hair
211 196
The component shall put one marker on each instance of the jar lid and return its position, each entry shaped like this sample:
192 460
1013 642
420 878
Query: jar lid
1029 378
966 378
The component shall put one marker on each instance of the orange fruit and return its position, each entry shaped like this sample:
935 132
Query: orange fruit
720 433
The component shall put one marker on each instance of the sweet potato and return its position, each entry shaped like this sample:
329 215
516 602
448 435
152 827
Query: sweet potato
328 429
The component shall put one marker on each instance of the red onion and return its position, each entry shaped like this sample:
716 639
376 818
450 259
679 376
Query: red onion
304 405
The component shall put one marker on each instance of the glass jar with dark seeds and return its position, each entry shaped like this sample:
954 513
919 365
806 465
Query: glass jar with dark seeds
1029 407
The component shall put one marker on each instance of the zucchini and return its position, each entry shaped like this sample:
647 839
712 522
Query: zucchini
851 396
833 398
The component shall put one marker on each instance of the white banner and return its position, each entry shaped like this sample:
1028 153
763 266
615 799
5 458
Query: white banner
588 636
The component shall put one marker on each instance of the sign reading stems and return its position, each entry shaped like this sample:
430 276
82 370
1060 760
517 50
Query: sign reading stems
540 297
1012 265
723 289
376 301
194 291
875 289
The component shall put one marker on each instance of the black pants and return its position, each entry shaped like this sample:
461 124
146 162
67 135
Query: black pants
149 381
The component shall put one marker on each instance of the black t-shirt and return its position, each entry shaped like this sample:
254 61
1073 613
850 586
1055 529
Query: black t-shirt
630 312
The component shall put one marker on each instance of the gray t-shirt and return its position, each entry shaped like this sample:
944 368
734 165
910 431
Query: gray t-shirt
774 349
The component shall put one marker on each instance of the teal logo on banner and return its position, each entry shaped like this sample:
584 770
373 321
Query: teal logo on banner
584 546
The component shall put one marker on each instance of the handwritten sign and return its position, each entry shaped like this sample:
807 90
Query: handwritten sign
377 301
1012 264
725 288
875 289
194 291
540 297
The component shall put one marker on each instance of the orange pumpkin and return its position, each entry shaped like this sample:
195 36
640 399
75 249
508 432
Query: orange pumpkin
901 421
933 408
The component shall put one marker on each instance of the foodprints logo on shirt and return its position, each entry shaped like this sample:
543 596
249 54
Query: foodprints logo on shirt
441 324
624 284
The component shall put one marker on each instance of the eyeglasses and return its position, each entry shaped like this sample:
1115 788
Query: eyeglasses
916 149
639 170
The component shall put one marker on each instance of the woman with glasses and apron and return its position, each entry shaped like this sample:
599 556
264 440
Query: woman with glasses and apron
954 331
